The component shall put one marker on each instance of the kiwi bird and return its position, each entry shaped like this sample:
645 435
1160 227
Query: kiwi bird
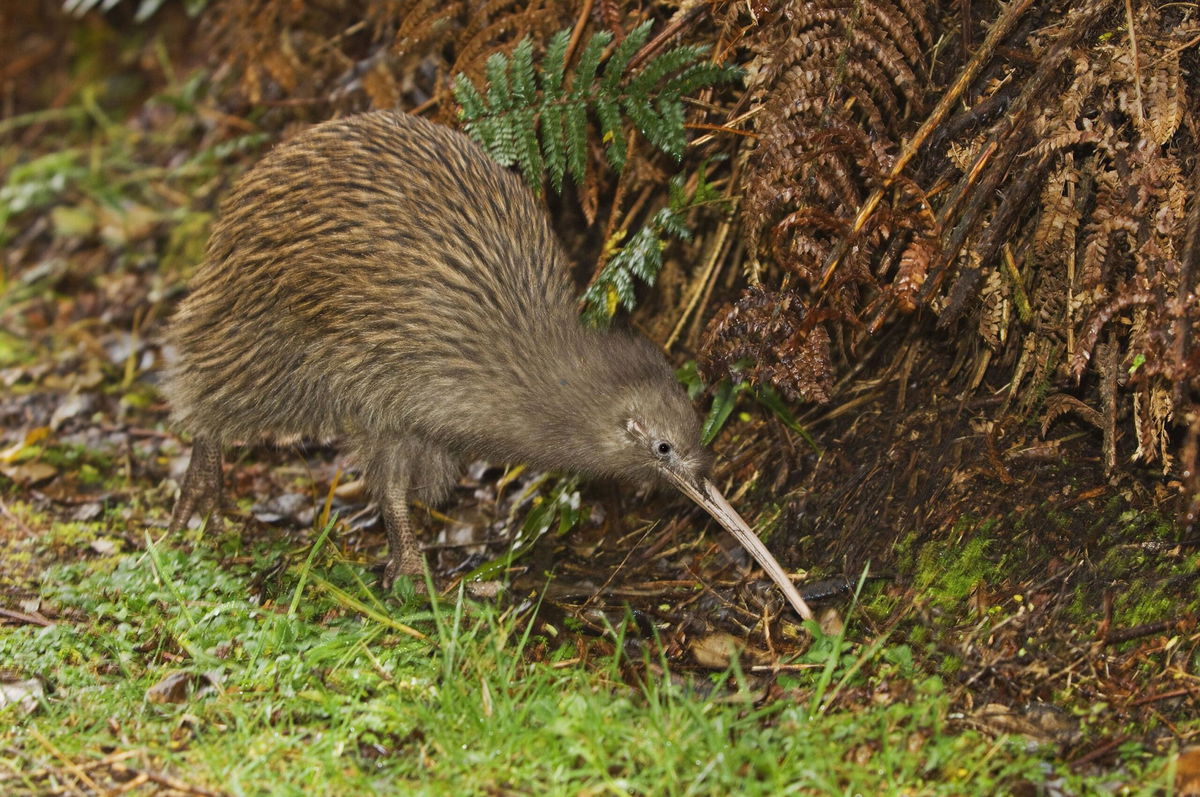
379 280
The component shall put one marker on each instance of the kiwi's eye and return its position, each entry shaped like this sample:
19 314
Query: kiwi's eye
663 448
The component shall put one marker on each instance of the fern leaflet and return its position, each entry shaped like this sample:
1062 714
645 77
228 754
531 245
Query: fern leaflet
535 115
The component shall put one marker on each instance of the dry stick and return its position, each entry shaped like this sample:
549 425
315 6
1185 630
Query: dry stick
169 781
961 189
706 297
1003 217
95 763
980 200
140 780
674 28
1182 692
1137 71
714 256
1187 267
1107 364
1102 750
729 127
580 24
20 524
616 570
71 766
30 619
1000 29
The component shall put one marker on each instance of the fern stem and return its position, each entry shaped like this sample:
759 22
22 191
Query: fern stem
719 129
702 284
673 29
580 24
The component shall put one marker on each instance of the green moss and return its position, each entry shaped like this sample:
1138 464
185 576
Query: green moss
1139 606
949 570
90 475
950 666
72 535
75 457
14 350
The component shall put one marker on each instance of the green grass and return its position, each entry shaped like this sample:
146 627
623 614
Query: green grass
334 697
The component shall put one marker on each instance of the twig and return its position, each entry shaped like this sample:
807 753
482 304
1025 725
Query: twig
580 24
1138 631
706 274
8 513
108 760
674 28
1183 692
1137 71
71 766
32 619
729 126
618 568
171 782
1102 750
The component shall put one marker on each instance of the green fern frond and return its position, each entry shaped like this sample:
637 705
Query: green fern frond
499 91
663 65
474 106
615 67
554 67
640 257
698 76
536 115
576 140
529 154
611 132
524 89
554 144
589 62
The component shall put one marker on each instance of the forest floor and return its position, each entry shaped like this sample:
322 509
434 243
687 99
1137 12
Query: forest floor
996 613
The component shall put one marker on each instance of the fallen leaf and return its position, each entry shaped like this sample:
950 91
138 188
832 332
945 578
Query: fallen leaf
171 689
104 546
74 404
24 693
831 622
32 438
351 491
87 511
29 473
1187 772
715 651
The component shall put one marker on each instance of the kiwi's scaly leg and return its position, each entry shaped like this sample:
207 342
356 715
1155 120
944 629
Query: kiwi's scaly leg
201 490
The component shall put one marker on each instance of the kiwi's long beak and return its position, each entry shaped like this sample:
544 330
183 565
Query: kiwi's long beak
708 496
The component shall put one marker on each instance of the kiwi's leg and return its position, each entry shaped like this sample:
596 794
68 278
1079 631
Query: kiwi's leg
404 553
389 476
201 490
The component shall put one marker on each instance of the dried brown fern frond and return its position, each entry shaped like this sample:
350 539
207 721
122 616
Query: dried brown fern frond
831 83
1049 214
416 28
1101 239
825 74
359 54
497 25
280 47
767 338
